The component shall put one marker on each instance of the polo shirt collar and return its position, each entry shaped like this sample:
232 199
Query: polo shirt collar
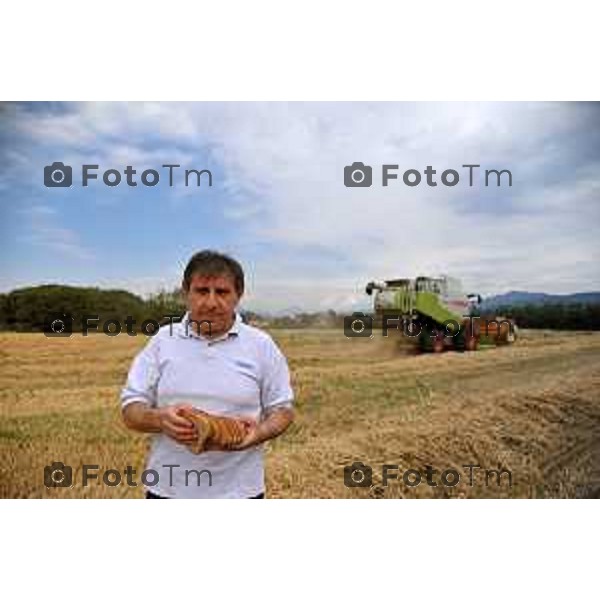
234 330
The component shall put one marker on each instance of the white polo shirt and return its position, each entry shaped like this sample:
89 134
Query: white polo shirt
241 373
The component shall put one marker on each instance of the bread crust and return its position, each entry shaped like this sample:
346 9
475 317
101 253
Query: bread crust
225 432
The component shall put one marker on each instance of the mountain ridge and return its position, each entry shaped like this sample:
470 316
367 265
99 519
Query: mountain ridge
516 298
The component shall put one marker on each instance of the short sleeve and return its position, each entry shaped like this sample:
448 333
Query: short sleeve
276 389
143 377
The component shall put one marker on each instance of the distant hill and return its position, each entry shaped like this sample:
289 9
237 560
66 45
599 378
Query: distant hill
517 298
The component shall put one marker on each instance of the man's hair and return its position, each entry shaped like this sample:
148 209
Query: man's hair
214 264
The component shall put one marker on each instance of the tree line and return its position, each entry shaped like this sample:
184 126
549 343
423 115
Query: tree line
28 309
554 316
33 308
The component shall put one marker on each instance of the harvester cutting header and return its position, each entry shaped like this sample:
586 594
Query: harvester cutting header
437 314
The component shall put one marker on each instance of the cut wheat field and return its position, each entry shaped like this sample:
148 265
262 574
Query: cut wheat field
532 409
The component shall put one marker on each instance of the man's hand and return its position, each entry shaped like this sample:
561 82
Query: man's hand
167 419
252 437
176 426
274 423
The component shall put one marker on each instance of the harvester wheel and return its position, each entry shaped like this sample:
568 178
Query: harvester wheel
471 343
437 344
506 333
471 336
511 336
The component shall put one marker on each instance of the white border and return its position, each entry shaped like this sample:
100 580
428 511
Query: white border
299 51
310 50
303 548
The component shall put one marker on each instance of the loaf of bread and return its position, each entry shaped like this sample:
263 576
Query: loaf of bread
225 432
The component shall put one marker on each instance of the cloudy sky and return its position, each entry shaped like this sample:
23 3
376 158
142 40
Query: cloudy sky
278 200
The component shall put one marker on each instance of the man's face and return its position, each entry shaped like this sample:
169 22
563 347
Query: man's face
212 298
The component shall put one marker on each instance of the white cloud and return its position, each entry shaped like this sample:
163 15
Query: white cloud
283 164
44 231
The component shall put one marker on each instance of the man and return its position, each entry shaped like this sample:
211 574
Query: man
213 362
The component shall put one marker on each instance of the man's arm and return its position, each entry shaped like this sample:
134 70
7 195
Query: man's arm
274 423
141 417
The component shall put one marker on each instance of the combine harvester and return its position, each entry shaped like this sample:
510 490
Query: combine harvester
437 314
